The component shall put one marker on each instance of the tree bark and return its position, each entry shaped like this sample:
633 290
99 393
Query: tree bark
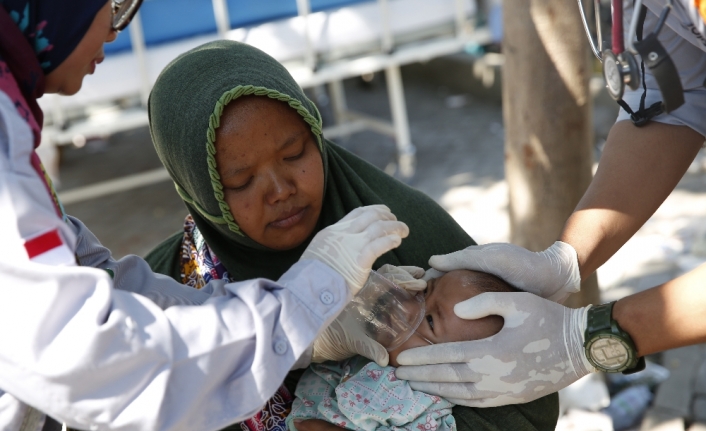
548 121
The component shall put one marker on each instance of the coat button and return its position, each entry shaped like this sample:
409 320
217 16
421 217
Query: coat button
326 297
280 347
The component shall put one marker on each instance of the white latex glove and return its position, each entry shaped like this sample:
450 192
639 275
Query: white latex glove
352 245
406 277
538 351
431 274
339 342
552 273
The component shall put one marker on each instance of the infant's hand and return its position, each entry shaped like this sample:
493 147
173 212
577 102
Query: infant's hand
315 425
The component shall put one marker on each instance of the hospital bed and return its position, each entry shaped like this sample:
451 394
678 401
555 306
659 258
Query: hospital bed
321 42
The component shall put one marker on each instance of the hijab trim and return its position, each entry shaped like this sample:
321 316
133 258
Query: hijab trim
213 124
185 196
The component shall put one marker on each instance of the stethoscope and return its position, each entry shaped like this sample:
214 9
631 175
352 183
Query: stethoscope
621 68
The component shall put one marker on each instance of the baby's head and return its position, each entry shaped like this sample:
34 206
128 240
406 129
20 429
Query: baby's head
441 325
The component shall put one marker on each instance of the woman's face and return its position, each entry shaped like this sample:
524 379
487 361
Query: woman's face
271 170
67 78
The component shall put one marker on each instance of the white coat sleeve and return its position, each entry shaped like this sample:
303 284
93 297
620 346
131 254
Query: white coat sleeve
95 357
133 274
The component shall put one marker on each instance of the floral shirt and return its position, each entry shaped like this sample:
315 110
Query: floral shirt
199 265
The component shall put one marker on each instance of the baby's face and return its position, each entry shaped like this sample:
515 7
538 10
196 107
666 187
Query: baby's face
441 325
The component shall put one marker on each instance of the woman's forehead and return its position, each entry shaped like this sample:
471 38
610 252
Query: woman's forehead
243 110
248 124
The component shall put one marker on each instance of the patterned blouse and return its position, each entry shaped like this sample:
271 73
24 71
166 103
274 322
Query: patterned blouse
199 265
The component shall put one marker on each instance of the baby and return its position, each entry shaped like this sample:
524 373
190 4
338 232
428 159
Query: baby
360 395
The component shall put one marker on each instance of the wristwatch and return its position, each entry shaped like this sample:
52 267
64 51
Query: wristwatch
609 348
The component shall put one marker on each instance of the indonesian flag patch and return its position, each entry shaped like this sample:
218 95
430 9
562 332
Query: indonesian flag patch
49 249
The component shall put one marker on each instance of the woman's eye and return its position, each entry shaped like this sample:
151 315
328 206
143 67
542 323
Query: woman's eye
430 321
296 156
243 187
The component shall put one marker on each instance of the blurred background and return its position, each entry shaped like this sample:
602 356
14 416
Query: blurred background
436 94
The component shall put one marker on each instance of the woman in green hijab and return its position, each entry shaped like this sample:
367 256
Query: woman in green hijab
244 147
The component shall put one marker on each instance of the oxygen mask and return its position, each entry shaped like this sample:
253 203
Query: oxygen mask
386 312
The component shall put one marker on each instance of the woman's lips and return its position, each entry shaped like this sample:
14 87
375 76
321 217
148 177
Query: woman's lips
94 63
290 218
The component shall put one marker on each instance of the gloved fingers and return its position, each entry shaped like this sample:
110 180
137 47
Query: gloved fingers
412 285
368 215
440 373
381 228
372 350
380 246
370 209
444 353
492 303
414 271
431 274
405 277
447 390
484 402
357 220
486 258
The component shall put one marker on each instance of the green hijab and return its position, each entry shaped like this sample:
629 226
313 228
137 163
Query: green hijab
185 108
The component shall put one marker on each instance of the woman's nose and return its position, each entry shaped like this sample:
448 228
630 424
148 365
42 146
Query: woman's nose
280 189
111 36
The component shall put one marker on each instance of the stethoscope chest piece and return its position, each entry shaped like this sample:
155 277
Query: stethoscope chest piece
620 70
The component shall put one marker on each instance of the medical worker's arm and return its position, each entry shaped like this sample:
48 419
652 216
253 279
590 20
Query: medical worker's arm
96 357
678 305
133 274
639 168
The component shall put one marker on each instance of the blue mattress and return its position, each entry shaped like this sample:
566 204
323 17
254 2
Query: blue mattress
171 20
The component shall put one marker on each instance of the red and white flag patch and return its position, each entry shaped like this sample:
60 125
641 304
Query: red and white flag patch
49 249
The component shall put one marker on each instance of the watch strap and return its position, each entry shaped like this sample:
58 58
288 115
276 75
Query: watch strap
599 318
641 365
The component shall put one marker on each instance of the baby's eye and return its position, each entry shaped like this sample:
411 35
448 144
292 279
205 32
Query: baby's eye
430 321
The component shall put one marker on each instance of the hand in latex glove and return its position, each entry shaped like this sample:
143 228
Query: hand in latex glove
431 274
340 341
552 273
352 245
406 277
538 351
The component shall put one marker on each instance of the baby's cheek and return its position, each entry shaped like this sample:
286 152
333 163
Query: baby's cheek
495 324
478 329
414 341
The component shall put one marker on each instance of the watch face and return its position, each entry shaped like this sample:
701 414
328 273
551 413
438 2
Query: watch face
609 353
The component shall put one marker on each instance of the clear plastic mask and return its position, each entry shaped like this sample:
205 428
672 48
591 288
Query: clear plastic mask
385 312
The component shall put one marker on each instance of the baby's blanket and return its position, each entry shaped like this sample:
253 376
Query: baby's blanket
368 398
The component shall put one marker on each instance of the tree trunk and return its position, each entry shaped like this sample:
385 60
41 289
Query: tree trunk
548 124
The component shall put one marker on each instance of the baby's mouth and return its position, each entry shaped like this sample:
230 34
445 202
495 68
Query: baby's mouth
290 218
